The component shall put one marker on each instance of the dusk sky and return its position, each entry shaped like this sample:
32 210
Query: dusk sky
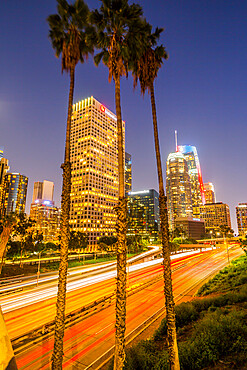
200 92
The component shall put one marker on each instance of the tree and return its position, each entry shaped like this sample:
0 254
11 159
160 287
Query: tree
7 224
243 244
68 34
117 37
145 69
78 240
23 233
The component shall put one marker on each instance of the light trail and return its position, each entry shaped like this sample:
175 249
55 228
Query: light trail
39 294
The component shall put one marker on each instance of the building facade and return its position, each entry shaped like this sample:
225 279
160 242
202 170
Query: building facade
128 173
197 189
94 161
241 213
178 189
143 212
14 193
43 190
4 168
47 218
191 227
44 212
209 193
215 215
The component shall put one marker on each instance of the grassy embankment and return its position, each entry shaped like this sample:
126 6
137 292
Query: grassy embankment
14 269
212 329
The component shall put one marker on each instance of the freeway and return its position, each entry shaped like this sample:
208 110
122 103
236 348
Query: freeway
24 282
91 337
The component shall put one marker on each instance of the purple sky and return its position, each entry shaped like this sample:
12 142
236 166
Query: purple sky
200 91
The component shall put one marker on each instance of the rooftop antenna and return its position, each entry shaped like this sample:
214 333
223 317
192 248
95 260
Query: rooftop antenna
176 140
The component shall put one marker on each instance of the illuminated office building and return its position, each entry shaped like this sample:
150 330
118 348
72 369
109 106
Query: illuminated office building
197 190
46 216
128 173
241 213
94 160
14 193
209 193
143 208
178 190
43 210
4 168
1 152
215 215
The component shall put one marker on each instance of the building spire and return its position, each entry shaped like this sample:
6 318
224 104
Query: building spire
176 140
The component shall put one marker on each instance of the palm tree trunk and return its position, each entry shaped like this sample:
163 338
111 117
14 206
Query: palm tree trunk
121 228
170 312
57 356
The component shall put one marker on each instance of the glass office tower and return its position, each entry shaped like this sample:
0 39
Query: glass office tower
197 189
178 188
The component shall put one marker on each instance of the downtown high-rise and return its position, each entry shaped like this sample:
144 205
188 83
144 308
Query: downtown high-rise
194 169
178 188
94 161
44 212
14 193
241 213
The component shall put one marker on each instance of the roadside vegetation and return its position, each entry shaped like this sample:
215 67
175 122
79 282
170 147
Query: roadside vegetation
212 329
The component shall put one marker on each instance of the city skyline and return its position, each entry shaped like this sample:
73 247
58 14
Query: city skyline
199 91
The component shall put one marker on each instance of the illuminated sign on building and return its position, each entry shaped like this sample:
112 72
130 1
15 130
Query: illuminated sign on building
106 111
138 192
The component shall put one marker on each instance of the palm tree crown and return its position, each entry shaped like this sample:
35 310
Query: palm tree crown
117 24
146 68
69 30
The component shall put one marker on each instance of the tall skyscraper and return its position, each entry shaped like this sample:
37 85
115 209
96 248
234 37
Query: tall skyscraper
241 213
94 161
14 193
128 173
43 190
144 216
215 215
178 188
209 192
197 190
4 168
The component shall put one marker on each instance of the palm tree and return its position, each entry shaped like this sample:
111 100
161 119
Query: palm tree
68 34
117 23
145 69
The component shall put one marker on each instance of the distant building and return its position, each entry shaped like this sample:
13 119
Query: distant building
43 190
215 215
178 189
128 173
94 169
47 218
191 227
241 213
1 152
194 168
43 210
209 192
143 209
14 193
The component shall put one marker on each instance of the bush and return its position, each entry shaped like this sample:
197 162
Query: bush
218 334
141 357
